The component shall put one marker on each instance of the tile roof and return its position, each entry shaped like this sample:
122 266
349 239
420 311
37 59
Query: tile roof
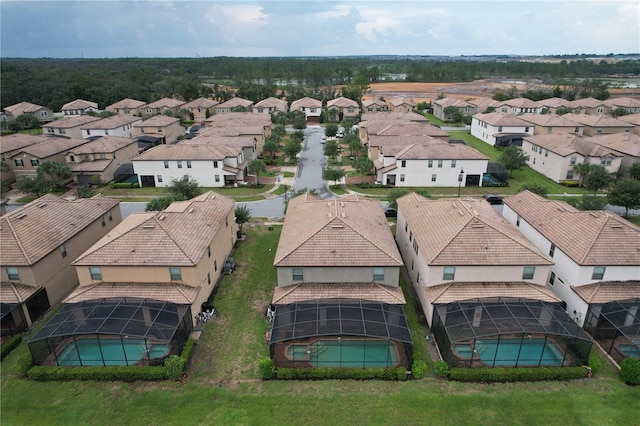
519 103
398 142
79 104
371 292
69 122
201 103
342 102
190 151
455 102
214 140
16 141
177 236
466 232
554 103
165 103
103 144
565 144
459 291
21 108
501 119
126 103
13 293
111 122
437 149
38 228
305 103
631 119
91 166
608 291
549 120
587 237
596 120
483 103
393 115
398 100
49 146
169 292
280 104
626 143
624 102
587 103
158 121
240 119
347 232
368 102
395 128
235 102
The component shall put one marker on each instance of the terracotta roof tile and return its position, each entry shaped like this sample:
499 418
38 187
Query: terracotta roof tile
459 291
608 291
165 103
371 292
16 293
305 103
126 103
111 122
169 292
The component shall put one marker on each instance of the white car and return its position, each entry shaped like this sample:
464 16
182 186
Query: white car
323 139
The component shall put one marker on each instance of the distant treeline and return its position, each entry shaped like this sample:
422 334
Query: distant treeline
54 82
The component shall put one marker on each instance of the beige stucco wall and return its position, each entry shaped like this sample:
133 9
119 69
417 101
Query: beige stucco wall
338 275
27 169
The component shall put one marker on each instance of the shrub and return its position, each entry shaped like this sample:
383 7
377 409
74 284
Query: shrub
24 364
418 369
267 371
595 362
187 350
174 366
401 373
506 374
121 185
630 371
569 183
98 373
10 345
339 373
442 369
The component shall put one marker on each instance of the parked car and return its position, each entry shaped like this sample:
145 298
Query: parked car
492 198
390 212
323 139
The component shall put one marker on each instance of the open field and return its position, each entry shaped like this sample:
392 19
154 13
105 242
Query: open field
222 384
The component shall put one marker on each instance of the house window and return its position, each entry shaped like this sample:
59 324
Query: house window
89 132
577 130
215 164
606 161
19 162
34 162
430 164
208 278
552 250
166 164
159 178
599 110
403 163
573 160
12 273
552 278
627 129
209 251
179 164
449 273
217 178
598 272
527 273
109 216
159 129
440 164
549 129
433 177
402 177
72 158
518 221
215 266
500 128
526 130
453 164
175 273
188 164
102 222
546 152
415 246
297 274
412 262
570 174
106 132
95 272
599 130
378 274
63 250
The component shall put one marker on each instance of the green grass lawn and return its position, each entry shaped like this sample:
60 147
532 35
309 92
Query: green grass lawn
222 384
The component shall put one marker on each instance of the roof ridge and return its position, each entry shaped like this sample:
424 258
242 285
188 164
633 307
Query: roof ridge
594 239
371 242
178 287
22 249
384 288
287 292
445 287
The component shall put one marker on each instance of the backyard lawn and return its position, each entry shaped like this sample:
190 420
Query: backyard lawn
223 386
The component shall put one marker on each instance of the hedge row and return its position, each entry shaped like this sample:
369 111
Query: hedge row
10 345
124 185
399 373
503 374
630 371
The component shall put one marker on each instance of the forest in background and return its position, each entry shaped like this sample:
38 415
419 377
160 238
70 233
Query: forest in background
54 82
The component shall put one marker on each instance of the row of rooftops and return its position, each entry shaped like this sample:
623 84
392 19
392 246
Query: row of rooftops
482 103
570 120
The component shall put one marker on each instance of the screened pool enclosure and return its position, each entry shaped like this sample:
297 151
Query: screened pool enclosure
616 327
501 332
340 334
116 331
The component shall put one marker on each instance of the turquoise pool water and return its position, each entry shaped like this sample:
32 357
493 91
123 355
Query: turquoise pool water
630 351
346 353
509 352
108 352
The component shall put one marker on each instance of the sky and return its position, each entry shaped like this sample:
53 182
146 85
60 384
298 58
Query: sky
199 28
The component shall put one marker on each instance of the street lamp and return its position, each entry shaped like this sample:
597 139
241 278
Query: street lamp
285 193
460 176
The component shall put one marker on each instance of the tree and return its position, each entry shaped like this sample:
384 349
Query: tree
453 113
33 185
364 166
347 123
161 203
279 131
331 130
625 193
299 122
513 158
184 188
332 114
333 173
581 169
393 196
634 171
54 172
292 149
331 149
597 178
243 215
355 146
255 167
619 112
536 188
272 146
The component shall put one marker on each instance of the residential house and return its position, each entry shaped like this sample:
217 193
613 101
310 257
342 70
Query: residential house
500 129
148 277
97 161
248 144
401 104
631 105
234 105
481 285
25 161
590 106
466 108
160 129
201 108
209 165
79 107
625 144
551 105
482 104
428 162
556 155
127 106
596 124
12 112
518 106
371 128
270 105
69 127
312 108
257 126
39 242
545 124
11 145
346 108
338 272
162 106
633 120
596 271
374 105
116 125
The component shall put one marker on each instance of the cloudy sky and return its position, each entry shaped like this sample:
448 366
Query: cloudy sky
139 28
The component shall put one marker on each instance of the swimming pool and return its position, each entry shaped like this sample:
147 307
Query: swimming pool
630 351
109 352
513 352
345 353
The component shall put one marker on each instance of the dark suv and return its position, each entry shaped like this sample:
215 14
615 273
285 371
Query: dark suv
492 198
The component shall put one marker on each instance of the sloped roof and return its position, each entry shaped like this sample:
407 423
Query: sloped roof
460 291
466 232
631 119
49 146
624 102
201 103
393 115
126 103
158 121
519 103
190 151
214 140
565 144
398 100
169 292
235 102
342 102
240 119
14 293
79 104
272 102
395 128
177 236
91 166
483 103
437 149
111 122
347 232
165 103
38 228
16 141
372 292
455 102
608 291
22 107
626 143
501 119
596 120
70 122
549 120
587 103
104 144
587 237
554 103
305 103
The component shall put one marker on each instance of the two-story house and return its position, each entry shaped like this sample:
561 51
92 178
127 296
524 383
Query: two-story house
25 161
374 105
633 120
126 106
551 105
597 124
69 127
116 125
270 105
79 107
344 108
518 106
257 126
201 108
312 108
161 129
168 105
631 105
625 144
500 129
12 112
39 242
234 105
338 272
97 160
248 144
590 106
546 124
465 108
10 145
481 285
401 104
